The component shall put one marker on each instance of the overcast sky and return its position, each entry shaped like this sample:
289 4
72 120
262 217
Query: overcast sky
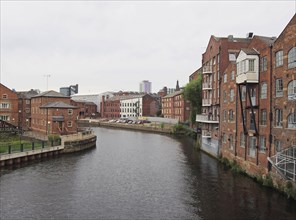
112 46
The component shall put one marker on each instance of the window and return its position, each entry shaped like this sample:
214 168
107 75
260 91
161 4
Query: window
27 110
4 96
262 146
231 141
252 65
225 96
224 137
252 148
264 63
224 115
292 120
243 93
263 94
278 145
232 75
232 57
279 58
69 124
263 117
278 117
279 88
292 58
5 105
4 117
225 78
292 90
230 115
242 140
70 111
231 95
27 101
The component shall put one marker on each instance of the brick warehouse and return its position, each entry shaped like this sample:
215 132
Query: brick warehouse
9 110
220 52
257 123
52 113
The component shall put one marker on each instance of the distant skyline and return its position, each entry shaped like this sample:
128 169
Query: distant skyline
114 45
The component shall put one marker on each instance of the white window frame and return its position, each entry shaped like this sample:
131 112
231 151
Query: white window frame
279 87
292 58
279 58
70 111
263 90
292 120
69 124
292 90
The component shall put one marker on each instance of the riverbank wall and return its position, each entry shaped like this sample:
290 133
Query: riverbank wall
78 142
260 174
69 144
149 127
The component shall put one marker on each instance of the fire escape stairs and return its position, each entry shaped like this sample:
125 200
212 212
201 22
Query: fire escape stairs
284 163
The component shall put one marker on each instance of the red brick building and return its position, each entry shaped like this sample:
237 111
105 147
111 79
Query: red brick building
174 106
110 108
9 110
131 105
24 107
257 115
284 90
86 109
52 113
220 53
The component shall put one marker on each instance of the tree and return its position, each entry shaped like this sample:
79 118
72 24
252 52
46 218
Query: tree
193 93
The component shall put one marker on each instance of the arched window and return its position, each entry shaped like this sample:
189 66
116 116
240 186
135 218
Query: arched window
292 120
292 58
292 90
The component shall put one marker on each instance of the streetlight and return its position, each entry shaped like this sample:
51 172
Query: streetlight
48 127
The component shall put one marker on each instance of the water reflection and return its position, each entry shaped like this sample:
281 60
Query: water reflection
135 175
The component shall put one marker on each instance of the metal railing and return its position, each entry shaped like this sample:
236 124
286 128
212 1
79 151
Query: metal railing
207 102
285 162
207 85
11 148
207 69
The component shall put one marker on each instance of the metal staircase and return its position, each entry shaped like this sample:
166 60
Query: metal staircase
285 163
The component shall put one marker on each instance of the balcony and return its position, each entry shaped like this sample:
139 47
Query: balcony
206 102
207 69
209 118
207 85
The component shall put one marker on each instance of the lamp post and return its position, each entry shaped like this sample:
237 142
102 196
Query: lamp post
48 127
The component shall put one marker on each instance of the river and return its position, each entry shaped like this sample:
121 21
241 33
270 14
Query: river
136 175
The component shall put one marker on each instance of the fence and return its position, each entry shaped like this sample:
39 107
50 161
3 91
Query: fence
13 147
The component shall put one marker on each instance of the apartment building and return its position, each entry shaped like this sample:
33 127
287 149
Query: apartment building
174 106
284 100
254 117
9 110
132 105
220 53
246 129
24 107
52 113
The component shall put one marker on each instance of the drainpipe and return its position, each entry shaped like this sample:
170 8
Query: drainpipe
236 122
258 115
219 126
270 107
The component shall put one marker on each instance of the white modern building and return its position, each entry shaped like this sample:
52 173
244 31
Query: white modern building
95 98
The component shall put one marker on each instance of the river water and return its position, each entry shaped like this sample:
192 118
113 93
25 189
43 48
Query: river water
136 175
